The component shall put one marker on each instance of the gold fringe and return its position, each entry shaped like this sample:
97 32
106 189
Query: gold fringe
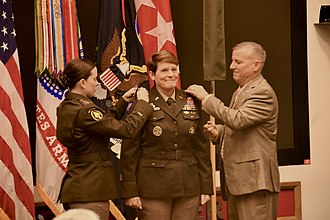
3 215
46 199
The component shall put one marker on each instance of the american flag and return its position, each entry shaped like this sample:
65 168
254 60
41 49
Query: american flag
109 79
16 181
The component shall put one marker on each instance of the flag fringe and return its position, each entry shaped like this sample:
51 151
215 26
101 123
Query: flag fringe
112 207
44 196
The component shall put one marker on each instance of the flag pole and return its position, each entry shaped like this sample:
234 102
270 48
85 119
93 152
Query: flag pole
214 67
115 211
213 163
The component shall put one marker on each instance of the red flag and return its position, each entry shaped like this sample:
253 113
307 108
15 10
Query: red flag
16 182
155 27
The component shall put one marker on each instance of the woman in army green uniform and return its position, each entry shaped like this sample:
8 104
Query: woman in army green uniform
85 130
166 168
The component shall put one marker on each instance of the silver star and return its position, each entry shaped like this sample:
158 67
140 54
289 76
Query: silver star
13 33
4 46
4 30
163 31
139 3
4 15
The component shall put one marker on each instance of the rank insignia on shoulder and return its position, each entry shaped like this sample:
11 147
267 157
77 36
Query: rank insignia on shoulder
156 108
96 114
84 102
190 105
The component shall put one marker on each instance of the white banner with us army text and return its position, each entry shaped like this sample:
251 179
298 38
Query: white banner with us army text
51 156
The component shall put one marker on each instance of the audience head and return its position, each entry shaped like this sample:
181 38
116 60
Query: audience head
77 214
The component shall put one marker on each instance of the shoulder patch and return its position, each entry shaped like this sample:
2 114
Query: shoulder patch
96 114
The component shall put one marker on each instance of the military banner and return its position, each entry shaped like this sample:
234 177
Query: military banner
57 42
214 53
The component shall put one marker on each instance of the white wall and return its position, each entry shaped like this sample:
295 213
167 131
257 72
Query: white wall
315 178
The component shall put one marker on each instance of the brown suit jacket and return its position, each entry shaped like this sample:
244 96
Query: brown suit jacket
83 128
248 137
170 157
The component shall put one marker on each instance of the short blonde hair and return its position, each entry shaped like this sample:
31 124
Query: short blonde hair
257 50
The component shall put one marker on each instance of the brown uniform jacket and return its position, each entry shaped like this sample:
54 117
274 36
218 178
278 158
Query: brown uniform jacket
170 156
248 138
83 128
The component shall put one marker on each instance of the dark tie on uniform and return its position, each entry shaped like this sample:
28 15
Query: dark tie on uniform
171 103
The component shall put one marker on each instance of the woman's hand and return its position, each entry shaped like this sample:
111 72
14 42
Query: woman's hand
129 94
134 202
205 199
142 94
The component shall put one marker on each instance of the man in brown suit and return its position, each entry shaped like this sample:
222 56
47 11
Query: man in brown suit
248 168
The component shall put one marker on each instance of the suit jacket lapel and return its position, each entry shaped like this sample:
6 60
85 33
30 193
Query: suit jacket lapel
246 90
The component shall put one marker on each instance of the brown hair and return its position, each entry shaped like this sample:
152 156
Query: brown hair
74 71
161 56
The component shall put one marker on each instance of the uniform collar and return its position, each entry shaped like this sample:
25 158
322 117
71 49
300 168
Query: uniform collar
166 97
156 98
72 95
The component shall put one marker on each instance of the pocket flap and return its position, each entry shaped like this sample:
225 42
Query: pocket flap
192 115
241 158
156 115
191 161
106 163
153 163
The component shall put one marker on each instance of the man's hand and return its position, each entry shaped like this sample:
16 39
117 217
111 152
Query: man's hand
211 130
198 91
134 202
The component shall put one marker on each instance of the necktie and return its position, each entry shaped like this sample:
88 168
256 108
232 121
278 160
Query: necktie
171 103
